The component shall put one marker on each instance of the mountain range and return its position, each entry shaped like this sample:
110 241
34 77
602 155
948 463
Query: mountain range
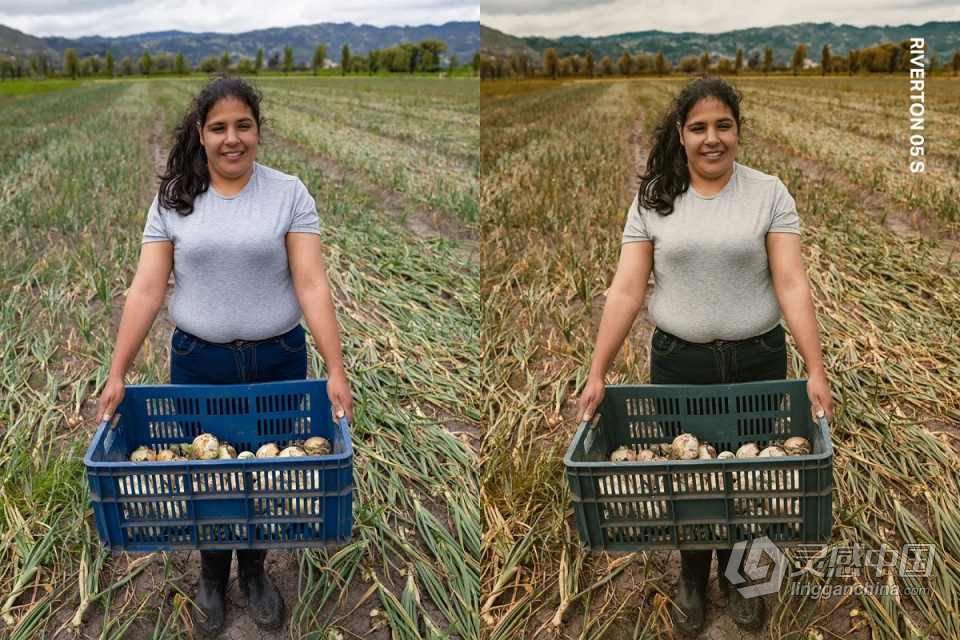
462 39
942 38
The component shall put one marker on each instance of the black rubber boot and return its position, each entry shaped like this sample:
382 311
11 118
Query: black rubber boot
692 591
211 590
748 613
265 602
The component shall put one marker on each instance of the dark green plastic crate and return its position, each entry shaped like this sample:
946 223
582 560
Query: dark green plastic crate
701 504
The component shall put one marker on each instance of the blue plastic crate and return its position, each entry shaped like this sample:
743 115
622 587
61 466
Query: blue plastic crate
701 504
265 503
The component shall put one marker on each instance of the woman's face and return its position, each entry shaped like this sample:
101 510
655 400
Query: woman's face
710 136
230 136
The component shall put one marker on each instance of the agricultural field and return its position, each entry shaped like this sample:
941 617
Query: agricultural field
559 164
393 166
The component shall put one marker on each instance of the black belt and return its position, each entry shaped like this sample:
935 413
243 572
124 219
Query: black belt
720 343
236 344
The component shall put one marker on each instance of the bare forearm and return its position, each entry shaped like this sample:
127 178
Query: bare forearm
318 311
139 312
619 313
796 302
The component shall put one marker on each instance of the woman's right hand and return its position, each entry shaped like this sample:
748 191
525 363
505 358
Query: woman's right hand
111 398
590 398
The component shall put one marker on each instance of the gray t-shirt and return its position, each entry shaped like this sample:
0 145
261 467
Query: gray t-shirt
710 257
230 259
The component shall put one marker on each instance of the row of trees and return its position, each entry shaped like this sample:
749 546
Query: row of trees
883 58
424 56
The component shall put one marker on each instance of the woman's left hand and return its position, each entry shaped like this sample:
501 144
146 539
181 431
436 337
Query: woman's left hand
338 390
819 393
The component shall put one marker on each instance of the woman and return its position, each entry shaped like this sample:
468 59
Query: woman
243 240
723 242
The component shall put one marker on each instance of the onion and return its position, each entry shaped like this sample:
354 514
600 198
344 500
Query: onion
726 455
166 455
226 452
797 446
684 447
143 454
749 450
623 454
706 452
269 450
317 446
205 447
245 455
292 452
772 451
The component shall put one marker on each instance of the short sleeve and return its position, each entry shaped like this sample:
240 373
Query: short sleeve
635 229
304 219
155 230
784 218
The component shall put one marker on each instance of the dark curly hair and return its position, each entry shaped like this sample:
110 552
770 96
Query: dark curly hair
187 175
667 175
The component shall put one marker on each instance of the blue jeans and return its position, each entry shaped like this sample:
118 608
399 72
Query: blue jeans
196 361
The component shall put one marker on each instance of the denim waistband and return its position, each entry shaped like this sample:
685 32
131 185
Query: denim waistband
239 343
720 343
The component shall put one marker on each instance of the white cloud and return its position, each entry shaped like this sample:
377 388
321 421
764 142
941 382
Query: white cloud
538 17
92 17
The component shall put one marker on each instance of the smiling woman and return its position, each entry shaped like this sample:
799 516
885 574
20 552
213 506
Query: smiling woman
243 242
723 243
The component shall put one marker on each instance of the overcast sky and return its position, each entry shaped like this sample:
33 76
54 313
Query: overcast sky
74 18
554 18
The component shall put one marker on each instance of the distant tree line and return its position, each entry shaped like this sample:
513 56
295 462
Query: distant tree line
881 58
424 56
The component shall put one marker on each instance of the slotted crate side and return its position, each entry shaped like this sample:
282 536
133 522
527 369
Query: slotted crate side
643 415
209 504
705 507
239 414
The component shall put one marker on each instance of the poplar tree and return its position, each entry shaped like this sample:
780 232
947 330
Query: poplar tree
319 57
344 59
70 66
799 55
550 63
146 63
